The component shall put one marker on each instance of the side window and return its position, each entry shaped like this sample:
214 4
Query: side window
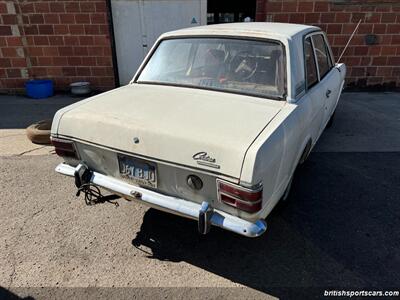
311 70
324 62
331 58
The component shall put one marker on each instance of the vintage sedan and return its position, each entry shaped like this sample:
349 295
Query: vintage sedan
212 125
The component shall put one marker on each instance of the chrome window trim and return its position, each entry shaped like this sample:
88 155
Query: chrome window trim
328 50
305 63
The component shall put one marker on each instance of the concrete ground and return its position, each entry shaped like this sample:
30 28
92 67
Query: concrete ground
340 229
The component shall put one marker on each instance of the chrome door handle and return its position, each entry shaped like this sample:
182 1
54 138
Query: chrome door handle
328 92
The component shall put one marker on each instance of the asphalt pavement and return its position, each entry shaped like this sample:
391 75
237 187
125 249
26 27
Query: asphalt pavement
340 229
17 113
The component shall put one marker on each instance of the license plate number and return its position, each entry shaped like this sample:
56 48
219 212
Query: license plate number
138 170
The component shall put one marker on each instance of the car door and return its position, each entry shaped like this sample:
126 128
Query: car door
304 123
329 76
314 100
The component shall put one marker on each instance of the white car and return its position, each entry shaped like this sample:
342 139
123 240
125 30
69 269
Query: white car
211 127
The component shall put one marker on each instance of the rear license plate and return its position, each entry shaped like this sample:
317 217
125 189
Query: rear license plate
139 171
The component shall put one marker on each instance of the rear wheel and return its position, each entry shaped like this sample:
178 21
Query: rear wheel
305 153
282 203
330 122
286 194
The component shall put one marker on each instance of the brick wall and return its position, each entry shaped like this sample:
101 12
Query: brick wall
69 41
65 41
372 66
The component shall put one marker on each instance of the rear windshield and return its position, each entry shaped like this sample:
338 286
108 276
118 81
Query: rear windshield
231 65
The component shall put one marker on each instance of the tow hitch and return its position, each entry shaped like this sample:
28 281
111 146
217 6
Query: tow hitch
206 215
93 195
82 175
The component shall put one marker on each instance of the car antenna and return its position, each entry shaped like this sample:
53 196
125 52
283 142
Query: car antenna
348 42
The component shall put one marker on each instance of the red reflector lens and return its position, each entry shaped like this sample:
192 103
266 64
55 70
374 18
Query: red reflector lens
244 199
248 207
227 199
64 148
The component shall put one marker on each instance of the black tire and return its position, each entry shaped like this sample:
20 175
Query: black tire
286 194
330 122
305 153
39 133
284 201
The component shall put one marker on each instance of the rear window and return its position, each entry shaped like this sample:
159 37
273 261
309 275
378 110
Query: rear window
231 65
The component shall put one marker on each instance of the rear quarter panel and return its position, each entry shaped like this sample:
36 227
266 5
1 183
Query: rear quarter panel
274 155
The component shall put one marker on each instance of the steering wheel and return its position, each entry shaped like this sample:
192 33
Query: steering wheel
243 65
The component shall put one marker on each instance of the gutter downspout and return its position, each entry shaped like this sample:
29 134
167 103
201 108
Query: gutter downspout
112 41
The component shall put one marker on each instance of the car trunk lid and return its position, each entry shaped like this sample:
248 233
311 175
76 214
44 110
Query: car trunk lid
196 128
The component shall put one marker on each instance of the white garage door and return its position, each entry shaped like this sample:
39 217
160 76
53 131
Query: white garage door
138 23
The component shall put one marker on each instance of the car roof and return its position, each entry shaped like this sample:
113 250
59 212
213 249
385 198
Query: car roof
248 29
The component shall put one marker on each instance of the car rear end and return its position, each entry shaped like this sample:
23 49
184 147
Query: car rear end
176 138
213 199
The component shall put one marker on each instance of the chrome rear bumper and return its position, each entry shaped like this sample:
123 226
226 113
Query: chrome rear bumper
202 212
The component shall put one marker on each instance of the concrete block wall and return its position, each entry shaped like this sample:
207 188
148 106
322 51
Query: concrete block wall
66 41
372 66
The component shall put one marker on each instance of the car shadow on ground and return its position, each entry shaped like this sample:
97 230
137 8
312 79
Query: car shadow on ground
6 294
339 230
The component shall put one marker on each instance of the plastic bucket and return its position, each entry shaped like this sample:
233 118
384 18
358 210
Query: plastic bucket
39 88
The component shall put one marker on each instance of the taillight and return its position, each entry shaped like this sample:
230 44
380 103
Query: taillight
64 148
242 198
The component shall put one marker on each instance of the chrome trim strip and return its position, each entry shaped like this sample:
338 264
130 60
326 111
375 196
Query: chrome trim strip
174 205
208 164
257 188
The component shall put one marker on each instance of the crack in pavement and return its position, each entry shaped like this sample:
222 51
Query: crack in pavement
28 151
